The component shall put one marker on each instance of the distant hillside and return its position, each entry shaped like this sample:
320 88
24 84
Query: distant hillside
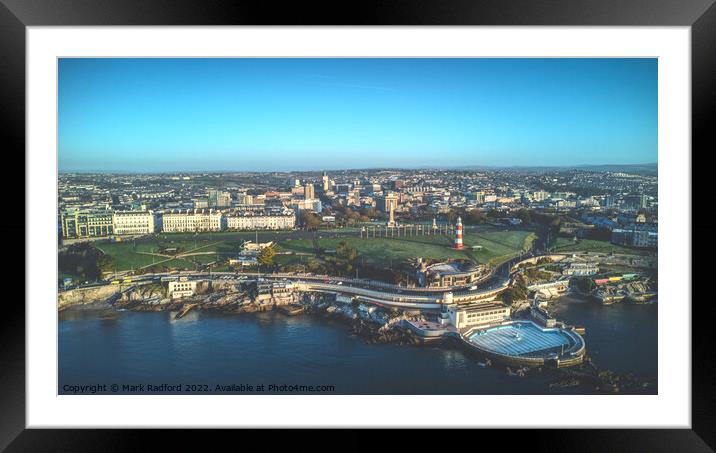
646 169
632 168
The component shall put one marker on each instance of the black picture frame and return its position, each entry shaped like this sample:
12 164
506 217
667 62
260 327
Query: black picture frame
700 15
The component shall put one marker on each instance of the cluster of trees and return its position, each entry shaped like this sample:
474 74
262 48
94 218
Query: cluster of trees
548 220
85 261
266 256
352 217
310 220
397 274
479 216
534 274
371 213
523 214
346 258
584 284
518 291
475 217
312 265
598 234
348 216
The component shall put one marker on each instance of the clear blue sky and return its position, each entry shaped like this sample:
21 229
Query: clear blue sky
304 114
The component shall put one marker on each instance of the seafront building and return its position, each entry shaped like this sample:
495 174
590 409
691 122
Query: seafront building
131 223
87 224
267 219
191 220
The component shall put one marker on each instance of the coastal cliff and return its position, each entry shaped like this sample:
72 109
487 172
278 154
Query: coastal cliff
86 296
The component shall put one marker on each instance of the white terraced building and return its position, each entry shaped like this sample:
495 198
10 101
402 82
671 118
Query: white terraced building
133 222
191 220
261 220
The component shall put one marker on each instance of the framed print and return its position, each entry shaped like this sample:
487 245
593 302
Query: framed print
356 222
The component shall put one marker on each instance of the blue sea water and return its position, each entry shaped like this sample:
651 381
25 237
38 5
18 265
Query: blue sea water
203 350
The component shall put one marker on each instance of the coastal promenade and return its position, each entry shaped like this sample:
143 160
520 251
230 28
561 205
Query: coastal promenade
370 291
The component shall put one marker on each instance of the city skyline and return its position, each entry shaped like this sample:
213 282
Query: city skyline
212 115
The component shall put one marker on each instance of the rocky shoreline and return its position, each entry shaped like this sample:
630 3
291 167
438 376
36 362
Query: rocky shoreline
373 326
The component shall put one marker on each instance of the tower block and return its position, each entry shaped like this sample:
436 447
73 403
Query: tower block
458 235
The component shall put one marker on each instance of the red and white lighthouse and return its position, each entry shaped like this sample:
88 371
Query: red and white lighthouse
458 235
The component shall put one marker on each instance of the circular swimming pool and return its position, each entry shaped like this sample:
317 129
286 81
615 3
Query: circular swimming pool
527 342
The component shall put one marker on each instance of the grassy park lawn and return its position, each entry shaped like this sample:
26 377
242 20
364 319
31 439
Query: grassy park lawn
286 260
382 250
204 248
193 248
145 252
590 245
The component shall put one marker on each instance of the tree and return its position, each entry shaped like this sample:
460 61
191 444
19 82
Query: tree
346 257
351 217
524 215
495 214
310 220
599 234
585 284
475 217
347 253
451 216
514 294
370 213
84 260
429 212
266 255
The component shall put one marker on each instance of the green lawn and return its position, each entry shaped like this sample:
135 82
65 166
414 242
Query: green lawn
496 244
590 245
145 252
286 260
134 254
124 256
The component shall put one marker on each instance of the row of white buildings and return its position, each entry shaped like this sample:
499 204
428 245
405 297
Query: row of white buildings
77 224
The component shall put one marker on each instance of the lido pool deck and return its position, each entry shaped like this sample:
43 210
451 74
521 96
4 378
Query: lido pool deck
528 343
